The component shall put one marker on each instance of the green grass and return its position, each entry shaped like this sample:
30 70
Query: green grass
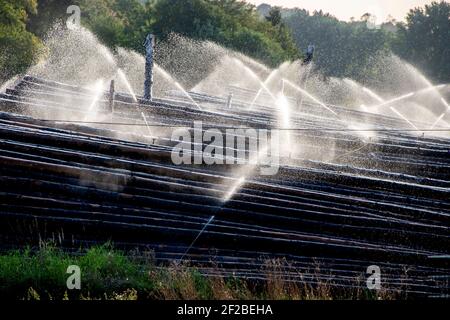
111 274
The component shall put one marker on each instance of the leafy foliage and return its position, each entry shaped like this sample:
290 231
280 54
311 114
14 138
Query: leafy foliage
18 47
111 274
122 23
273 35
346 49
232 23
48 12
425 39
342 49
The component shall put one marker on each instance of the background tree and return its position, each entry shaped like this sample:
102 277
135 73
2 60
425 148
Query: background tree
48 12
425 40
343 49
18 47
274 16
234 24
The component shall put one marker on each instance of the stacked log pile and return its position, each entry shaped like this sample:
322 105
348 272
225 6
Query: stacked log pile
386 204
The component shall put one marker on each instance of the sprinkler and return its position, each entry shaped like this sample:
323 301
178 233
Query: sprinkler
111 97
229 101
149 50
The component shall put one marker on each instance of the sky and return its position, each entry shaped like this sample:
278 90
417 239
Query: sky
345 9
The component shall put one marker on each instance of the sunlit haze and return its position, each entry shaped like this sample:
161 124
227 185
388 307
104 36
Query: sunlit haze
345 9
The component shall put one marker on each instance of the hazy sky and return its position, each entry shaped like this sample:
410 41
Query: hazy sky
345 9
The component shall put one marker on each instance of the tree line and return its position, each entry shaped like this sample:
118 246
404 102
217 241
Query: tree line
348 49
125 23
344 49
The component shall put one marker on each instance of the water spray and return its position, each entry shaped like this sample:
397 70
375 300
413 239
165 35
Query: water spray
306 93
438 120
255 76
146 123
403 117
373 94
268 79
98 94
394 100
124 78
427 82
179 86
308 71
196 238
394 110
238 184
130 90
443 114
285 117
409 95
235 187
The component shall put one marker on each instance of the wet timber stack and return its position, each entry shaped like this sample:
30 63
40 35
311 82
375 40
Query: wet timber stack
383 202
